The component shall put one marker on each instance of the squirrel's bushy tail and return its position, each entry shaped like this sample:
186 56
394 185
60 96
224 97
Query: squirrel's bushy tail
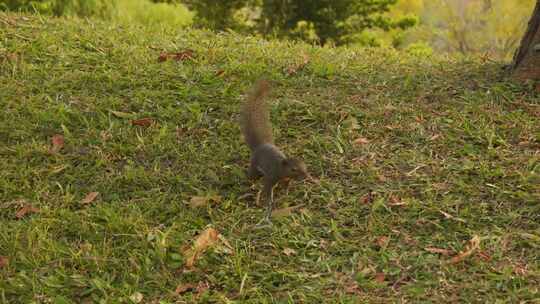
255 117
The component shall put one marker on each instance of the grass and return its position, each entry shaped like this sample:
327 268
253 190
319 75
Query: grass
451 152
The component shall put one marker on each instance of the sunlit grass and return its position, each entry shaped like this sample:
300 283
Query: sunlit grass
411 154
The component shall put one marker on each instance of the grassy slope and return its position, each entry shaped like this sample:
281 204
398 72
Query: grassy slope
447 137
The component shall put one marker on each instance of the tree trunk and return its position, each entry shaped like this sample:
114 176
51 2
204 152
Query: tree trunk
526 65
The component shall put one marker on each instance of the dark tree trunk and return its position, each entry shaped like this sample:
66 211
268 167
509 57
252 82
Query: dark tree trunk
526 64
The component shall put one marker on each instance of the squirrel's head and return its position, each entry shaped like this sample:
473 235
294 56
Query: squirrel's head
295 168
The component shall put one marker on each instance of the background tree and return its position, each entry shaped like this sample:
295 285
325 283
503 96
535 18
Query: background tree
331 20
216 15
526 64
322 20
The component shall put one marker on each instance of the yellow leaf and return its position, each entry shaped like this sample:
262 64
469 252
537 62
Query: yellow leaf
205 240
289 251
90 197
121 114
474 244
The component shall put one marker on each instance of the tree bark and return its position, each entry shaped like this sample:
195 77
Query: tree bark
526 65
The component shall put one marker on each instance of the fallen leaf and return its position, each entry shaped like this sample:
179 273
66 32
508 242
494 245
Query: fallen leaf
57 143
396 201
367 198
136 297
3 261
220 73
90 197
205 240
451 217
439 250
446 215
519 269
285 211
474 244
183 288
199 201
163 57
105 135
380 277
178 56
121 114
484 256
202 287
289 251
352 288
383 241
360 141
434 137
143 122
26 210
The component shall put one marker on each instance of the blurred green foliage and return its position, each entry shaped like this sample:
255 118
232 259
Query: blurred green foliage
487 27
144 12
83 8
322 21
492 27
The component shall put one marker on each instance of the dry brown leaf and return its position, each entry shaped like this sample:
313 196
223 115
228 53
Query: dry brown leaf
220 73
3 261
285 211
360 141
163 57
90 197
184 55
26 209
183 288
380 277
484 256
519 269
289 251
143 122
57 143
199 201
202 287
439 250
383 241
368 198
396 201
205 240
178 56
105 135
352 288
434 137
474 244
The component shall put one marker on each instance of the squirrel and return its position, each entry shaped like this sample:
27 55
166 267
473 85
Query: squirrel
267 160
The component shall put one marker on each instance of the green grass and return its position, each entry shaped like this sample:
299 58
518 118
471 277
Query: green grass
448 138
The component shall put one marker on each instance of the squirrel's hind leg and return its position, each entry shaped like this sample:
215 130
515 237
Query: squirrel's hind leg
268 194
253 172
